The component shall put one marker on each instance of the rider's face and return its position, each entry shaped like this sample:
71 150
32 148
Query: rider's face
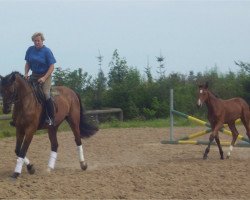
38 42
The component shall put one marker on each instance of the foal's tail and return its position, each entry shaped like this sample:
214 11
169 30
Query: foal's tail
86 129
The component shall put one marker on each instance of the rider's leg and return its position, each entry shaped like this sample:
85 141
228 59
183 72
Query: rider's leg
49 104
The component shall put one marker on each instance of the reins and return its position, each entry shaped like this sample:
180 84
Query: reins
14 97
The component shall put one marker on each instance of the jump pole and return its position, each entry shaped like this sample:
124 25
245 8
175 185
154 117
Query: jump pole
186 139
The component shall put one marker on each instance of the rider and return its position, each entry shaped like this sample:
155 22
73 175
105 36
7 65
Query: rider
40 60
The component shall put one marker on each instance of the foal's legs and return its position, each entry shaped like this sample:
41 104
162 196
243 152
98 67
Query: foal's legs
245 120
213 135
74 124
235 134
54 146
219 146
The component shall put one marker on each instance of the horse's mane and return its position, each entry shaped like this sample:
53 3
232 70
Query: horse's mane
6 79
214 94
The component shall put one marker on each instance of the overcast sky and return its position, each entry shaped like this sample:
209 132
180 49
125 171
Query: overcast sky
191 35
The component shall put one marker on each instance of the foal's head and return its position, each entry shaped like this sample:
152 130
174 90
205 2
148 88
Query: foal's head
8 91
202 94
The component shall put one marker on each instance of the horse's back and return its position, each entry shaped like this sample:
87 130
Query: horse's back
235 103
235 108
66 101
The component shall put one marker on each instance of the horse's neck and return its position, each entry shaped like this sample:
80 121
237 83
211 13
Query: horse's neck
212 101
23 90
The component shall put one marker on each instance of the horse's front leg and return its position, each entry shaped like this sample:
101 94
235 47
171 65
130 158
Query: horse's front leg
21 159
19 141
54 146
211 138
20 133
213 135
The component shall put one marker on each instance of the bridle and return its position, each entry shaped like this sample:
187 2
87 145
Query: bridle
13 99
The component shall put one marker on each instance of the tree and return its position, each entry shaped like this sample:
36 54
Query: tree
161 67
118 70
123 85
148 73
76 79
100 85
244 66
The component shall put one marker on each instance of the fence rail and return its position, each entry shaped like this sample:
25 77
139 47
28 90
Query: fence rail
95 113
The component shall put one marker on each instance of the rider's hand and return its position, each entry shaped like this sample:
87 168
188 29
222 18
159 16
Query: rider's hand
41 80
26 76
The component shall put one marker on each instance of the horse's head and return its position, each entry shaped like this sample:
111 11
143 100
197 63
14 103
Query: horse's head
8 91
202 94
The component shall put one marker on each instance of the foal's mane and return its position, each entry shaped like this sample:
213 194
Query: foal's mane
214 94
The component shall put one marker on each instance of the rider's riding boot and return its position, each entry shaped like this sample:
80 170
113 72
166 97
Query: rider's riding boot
50 112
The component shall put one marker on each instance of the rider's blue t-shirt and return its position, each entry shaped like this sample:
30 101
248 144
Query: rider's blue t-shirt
39 59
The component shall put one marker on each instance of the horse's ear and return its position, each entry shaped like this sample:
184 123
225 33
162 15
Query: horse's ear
206 85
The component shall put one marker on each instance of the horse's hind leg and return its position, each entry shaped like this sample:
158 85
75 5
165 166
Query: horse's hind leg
235 134
245 120
74 124
54 146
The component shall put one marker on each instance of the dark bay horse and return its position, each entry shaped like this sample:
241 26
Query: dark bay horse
15 89
223 112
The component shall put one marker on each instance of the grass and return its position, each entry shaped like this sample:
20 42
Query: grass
155 123
9 131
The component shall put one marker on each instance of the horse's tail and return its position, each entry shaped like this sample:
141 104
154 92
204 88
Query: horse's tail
86 129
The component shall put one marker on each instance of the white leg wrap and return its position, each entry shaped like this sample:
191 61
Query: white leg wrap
19 165
230 150
80 153
52 159
26 161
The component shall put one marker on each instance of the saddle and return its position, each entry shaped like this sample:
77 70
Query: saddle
38 91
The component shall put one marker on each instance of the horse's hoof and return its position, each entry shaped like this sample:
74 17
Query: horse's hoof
31 169
84 165
227 157
14 175
49 169
205 157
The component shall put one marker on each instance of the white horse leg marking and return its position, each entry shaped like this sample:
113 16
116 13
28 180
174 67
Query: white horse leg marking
52 160
19 165
26 161
230 150
80 153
